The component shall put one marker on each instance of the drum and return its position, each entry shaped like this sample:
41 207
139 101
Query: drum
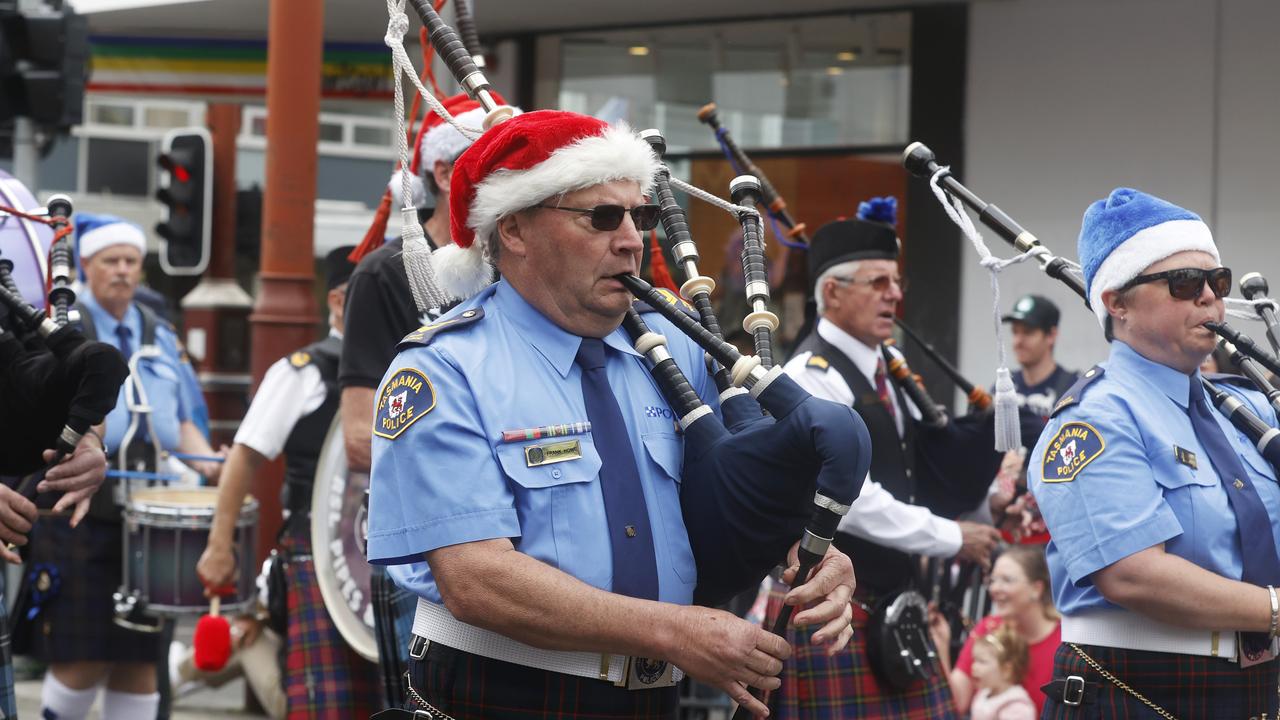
165 532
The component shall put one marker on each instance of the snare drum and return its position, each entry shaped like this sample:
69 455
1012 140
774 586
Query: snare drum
165 532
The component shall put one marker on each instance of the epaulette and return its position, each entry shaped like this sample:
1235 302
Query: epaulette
819 362
672 299
1230 379
423 335
1075 392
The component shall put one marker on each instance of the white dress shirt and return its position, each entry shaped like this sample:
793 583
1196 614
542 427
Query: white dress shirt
285 396
875 515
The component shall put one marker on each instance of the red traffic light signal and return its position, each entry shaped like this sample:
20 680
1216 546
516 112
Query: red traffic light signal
186 190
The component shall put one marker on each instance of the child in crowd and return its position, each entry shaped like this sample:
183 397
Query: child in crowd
999 661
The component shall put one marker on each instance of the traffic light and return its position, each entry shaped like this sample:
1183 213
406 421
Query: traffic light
44 56
186 190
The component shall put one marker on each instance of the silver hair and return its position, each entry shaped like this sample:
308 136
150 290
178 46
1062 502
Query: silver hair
844 269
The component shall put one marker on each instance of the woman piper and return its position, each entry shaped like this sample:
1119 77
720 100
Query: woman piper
1163 558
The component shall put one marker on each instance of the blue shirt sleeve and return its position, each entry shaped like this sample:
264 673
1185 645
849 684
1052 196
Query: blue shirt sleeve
1114 506
436 481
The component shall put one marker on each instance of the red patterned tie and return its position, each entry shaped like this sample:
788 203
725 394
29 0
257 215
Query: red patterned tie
882 389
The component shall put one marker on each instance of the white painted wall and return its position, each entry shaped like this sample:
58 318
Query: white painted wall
1068 100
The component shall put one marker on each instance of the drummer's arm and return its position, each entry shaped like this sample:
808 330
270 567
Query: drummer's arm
242 464
192 442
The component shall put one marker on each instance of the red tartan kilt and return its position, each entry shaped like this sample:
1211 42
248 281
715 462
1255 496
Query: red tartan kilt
323 677
1187 686
817 687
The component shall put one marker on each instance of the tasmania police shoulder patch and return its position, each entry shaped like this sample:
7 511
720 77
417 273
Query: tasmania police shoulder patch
819 362
423 335
300 359
1075 445
405 398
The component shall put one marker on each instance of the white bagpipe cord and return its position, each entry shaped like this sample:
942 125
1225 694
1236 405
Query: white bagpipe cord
427 294
706 197
1008 430
1248 309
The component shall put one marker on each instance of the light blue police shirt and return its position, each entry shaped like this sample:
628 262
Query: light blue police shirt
442 475
1121 470
160 377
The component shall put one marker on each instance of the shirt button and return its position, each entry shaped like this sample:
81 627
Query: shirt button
555 473
908 472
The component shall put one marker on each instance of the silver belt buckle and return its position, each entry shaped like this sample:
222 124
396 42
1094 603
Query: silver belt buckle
1073 691
418 647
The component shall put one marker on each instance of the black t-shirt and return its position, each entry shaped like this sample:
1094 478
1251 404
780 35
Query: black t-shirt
379 312
1041 398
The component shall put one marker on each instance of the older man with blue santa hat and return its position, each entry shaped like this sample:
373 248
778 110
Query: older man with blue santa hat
1164 557
73 629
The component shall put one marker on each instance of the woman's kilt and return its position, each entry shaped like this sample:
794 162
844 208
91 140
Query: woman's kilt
77 622
817 687
1187 686
323 677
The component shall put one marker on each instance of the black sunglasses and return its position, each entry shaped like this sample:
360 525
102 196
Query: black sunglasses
1188 283
609 217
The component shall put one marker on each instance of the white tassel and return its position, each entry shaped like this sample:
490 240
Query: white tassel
417 263
1008 429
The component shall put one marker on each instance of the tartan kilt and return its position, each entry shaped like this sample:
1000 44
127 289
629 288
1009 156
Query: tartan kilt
472 687
393 612
817 687
1187 686
323 677
8 700
78 623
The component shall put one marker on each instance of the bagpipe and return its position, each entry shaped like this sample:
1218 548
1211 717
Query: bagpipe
55 383
921 162
754 483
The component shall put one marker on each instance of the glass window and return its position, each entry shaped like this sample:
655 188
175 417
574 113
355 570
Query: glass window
372 135
166 117
840 80
112 115
119 167
330 132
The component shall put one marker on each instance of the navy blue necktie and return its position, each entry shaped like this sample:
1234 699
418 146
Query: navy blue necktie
1257 543
124 333
126 349
635 571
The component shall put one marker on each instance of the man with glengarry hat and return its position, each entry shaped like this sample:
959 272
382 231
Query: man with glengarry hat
1041 381
291 413
858 288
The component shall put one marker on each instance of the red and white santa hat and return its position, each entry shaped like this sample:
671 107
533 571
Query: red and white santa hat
440 141
518 164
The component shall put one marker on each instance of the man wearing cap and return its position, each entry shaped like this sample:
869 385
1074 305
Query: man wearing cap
1164 556
857 290
291 413
1041 381
558 574
73 629
381 310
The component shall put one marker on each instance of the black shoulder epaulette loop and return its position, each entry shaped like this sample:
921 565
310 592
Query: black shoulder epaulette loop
1075 392
423 335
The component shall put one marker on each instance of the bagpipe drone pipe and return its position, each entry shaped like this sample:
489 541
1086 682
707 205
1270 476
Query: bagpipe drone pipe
920 161
54 384
750 490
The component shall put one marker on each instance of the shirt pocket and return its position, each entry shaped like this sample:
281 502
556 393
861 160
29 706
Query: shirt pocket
667 452
562 520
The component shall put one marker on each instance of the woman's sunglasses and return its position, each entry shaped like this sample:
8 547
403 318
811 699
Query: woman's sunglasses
609 217
1188 283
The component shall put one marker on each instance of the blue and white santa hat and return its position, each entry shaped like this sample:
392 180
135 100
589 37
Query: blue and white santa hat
1129 231
98 232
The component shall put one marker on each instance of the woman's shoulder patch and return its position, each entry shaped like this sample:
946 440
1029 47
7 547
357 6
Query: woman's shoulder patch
405 398
1075 445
